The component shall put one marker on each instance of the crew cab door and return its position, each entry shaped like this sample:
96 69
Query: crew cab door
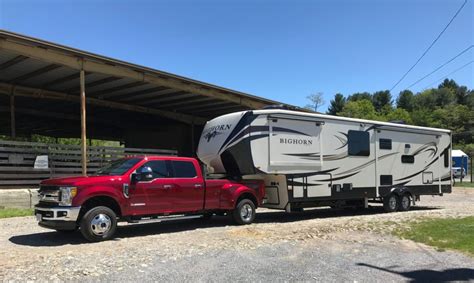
153 195
187 186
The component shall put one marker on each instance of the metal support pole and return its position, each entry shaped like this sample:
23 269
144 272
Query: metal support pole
12 114
83 124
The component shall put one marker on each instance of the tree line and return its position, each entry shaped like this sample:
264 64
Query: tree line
449 106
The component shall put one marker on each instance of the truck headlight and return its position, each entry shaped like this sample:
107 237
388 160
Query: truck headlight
67 194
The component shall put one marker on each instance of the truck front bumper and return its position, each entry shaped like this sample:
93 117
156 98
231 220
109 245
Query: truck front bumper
59 217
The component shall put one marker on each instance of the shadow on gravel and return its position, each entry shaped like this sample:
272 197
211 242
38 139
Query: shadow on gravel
53 238
427 275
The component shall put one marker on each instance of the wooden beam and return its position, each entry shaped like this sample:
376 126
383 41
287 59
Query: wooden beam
145 94
203 104
125 93
178 101
106 93
93 84
12 62
62 80
123 70
216 109
46 94
83 123
165 98
35 73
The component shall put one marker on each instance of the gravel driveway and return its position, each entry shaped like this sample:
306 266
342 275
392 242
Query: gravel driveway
321 245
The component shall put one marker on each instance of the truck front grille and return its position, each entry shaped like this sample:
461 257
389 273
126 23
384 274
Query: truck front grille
49 194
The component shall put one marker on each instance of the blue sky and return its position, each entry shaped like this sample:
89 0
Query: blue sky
282 50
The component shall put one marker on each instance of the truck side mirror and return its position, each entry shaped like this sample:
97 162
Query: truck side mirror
134 178
145 174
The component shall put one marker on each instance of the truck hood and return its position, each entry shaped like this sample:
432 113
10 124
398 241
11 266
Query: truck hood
82 181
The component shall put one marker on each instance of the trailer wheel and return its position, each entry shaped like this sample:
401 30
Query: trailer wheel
405 202
244 212
99 224
391 203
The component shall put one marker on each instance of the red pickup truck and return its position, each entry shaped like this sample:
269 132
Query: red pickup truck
139 188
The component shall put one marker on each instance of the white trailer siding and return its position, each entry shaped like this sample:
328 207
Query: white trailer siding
312 157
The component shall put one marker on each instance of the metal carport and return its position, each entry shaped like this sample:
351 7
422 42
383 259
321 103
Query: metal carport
40 93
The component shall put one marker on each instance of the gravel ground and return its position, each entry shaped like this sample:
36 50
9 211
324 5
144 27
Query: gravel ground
321 245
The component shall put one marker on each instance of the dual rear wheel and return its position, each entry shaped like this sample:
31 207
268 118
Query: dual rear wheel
394 202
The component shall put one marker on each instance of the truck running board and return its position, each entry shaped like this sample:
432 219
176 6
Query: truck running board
162 219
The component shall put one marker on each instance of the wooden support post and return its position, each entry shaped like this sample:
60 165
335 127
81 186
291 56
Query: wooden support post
83 124
12 114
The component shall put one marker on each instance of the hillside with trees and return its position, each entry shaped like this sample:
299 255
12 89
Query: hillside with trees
449 106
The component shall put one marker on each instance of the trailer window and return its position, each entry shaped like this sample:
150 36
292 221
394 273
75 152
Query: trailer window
386 180
408 159
385 143
358 143
183 169
446 157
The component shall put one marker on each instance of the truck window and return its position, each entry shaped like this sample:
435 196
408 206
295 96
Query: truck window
183 169
358 143
118 167
158 167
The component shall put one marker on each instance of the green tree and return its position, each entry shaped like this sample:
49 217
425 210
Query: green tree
457 118
360 96
381 99
449 84
405 100
336 104
444 96
425 100
399 114
363 109
422 117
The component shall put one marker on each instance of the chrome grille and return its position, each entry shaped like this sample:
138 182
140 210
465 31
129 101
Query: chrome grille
49 194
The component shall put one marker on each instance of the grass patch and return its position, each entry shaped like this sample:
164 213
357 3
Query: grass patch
15 212
464 184
453 234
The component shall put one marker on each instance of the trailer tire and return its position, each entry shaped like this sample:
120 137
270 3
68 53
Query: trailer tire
99 224
405 202
244 212
391 203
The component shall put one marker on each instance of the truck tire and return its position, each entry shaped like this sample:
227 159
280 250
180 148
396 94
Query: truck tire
405 202
244 212
99 224
391 203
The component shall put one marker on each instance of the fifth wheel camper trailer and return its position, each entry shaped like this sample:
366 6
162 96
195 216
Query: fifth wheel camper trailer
309 160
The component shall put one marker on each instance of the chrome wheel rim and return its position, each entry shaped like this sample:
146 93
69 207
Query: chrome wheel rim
392 202
101 224
405 202
246 212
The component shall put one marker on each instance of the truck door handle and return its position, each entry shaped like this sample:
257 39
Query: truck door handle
167 186
197 186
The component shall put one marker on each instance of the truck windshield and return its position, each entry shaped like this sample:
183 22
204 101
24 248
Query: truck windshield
118 167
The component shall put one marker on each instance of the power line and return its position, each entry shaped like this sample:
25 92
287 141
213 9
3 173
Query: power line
431 45
446 76
442 65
